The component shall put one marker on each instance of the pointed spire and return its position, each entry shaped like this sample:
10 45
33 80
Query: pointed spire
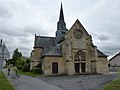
61 17
61 27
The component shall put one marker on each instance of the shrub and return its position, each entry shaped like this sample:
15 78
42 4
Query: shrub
27 60
39 65
19 67
26 67
20 61
36 70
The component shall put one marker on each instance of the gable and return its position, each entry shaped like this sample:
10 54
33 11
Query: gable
78 28
6 52
78 37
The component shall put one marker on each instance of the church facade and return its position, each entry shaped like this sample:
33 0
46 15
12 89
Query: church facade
69 52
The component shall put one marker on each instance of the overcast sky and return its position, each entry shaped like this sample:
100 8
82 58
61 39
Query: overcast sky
20 20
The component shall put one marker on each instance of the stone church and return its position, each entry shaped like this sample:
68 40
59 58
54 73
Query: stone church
69 52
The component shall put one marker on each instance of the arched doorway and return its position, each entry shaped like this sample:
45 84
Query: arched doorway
80 62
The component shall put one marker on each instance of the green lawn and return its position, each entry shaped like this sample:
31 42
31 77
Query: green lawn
29 73
115 85
26 73
4 83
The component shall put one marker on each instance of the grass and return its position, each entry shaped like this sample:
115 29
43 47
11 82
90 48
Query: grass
115 85
29 73
26 73
4 83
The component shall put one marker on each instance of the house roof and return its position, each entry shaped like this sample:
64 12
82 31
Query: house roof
118 54
44 42
55 51
4 50
101 54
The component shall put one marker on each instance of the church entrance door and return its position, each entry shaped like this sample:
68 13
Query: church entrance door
83 67
55 68
77 68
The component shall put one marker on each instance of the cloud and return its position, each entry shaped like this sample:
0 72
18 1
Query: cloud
4 13
101 37
20 20
35 30
11 31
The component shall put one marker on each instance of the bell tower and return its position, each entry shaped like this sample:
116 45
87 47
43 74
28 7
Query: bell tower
61 27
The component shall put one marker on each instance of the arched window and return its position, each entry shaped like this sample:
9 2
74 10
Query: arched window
80 56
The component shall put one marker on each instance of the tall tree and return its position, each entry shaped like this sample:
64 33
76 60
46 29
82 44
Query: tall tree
15 56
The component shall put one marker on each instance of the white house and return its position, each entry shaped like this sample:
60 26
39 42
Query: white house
4 54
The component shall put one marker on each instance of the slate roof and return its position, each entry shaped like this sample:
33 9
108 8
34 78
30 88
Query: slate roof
50 49
44 42
55 51
101 54
118 54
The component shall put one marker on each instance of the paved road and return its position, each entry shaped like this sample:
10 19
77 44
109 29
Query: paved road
81 82
30 83
75 82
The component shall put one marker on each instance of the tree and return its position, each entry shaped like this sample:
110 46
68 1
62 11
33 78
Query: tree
15 56
20 61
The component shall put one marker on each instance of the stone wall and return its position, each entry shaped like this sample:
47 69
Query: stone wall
102 65
33 64
71 45
37 53
35 58
47 65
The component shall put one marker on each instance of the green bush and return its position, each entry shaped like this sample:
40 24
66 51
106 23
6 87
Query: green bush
38 66
20 61
27 60
36 70
19 67
26 67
